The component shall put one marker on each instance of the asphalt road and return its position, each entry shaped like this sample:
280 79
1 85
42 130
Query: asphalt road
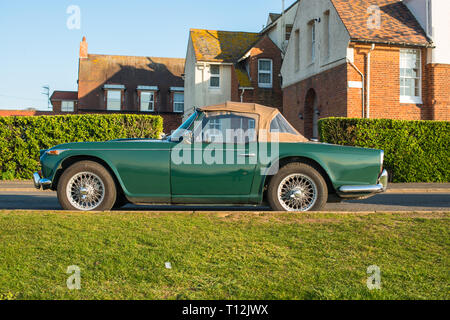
383 202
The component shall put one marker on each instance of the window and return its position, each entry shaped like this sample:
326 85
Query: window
297 49
326 33
113 100
67 106
214 81
147 101
230 128
265 73
288 31
281 125
178 102
410 76
312 27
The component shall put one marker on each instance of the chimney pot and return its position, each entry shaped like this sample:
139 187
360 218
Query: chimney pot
83 49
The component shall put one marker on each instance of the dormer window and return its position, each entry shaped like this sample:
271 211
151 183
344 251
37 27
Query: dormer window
114 96
147 98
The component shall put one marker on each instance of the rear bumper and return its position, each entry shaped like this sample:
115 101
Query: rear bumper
365 190
39 182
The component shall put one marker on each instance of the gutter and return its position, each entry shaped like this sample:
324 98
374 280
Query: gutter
368 80
391 43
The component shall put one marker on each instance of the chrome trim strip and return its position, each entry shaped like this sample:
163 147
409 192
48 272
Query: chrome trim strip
356 189
381 186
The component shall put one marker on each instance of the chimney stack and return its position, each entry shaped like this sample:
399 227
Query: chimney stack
83 49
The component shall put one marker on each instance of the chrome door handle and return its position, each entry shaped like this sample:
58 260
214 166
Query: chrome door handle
248 155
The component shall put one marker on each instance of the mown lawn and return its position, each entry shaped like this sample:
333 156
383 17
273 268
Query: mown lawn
224 255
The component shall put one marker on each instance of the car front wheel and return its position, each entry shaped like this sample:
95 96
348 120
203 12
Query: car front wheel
86 186
297 187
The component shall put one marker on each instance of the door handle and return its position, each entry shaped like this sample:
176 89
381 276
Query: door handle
248 155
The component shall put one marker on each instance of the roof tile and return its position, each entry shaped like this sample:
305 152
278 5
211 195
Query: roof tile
221 46
398 25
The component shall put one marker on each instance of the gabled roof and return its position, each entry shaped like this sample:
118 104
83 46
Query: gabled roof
274 16
398 25
221 46
64 95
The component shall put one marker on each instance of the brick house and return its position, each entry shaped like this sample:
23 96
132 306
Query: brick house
64 102
125 84
231 66
367 59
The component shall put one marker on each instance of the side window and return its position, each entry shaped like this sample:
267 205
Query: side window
229 129
281 125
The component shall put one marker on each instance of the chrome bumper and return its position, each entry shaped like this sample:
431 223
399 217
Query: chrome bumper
352 191
39 182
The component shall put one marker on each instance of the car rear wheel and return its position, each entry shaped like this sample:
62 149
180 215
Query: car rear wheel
297 187
86 186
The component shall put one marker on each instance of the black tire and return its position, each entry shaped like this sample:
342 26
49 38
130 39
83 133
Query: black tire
121 201
305 170
109 192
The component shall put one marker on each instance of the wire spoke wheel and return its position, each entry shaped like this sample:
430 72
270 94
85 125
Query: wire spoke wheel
297 192
85 191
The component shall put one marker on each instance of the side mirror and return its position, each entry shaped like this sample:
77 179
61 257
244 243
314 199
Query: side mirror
186 136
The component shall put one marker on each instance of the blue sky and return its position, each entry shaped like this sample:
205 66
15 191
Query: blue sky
37 47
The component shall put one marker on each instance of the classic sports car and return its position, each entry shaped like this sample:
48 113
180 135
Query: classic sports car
229 154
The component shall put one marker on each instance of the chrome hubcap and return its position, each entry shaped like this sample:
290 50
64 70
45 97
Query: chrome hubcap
297 192
85 191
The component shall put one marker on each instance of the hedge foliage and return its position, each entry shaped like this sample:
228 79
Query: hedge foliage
415 151
21 138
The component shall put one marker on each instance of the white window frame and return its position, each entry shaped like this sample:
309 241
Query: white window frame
270 72
211 75
72 109
141 107
412 99
175 102
108 99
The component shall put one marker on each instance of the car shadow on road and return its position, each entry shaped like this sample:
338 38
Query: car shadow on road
408 200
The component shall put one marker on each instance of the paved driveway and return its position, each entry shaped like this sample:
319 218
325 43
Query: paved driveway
427 201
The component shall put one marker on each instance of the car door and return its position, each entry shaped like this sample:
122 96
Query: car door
220 161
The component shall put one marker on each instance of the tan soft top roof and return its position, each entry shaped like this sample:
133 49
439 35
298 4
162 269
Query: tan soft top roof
266 115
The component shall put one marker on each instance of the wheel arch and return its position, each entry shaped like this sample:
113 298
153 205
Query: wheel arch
69 161
301 159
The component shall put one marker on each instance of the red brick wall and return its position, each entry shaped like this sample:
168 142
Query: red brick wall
336 99
438 78
385 85
330 89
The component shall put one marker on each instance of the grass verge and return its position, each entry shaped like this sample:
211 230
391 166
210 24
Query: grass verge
224 255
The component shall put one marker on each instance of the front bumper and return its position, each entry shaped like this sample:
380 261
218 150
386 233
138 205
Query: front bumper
39 182
365 190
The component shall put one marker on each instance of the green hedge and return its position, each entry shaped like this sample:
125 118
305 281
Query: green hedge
415 151
21 138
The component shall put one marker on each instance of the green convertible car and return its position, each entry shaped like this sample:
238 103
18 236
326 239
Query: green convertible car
229 154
